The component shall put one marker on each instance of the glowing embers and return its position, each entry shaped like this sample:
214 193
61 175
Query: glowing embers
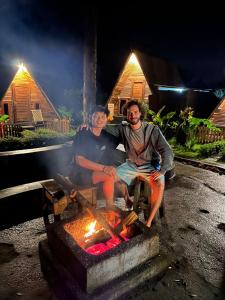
91 236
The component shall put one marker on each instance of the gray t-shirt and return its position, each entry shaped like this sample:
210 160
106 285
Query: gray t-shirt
137 139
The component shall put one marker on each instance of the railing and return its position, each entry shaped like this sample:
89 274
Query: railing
62 125
206 135
9 130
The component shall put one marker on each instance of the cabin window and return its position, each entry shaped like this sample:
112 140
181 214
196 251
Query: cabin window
37 106
137 91
6 108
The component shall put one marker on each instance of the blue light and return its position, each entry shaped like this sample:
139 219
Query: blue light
174 89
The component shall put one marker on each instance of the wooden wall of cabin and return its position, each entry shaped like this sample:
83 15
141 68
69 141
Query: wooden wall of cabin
39 99
24 95
129 87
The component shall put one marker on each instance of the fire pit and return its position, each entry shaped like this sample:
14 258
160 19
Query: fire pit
95 257
90 235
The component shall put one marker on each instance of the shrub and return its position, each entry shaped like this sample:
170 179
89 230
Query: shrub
32 139
223 155
4 118
210 149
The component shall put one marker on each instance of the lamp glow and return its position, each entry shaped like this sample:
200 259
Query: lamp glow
21 68
133 59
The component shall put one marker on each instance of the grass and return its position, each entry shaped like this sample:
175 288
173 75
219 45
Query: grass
186 153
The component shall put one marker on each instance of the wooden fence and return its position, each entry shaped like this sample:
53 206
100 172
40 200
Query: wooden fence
206 135
62 125
9 130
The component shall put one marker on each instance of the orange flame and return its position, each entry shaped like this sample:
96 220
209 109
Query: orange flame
91 229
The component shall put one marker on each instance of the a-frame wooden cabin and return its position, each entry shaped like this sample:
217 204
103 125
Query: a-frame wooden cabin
139 80
218 114
23 96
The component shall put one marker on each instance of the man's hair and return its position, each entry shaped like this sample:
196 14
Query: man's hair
139 105
99 108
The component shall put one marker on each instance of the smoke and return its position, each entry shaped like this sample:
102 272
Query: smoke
49 42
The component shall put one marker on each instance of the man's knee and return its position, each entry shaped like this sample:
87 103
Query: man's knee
109 179
160 182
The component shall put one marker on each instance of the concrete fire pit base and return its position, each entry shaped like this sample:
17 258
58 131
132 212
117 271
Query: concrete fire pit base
94 271
64 285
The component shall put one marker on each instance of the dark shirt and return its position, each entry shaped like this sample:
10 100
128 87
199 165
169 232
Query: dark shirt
98 149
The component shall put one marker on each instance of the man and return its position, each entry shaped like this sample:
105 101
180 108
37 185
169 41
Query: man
144 142
92 149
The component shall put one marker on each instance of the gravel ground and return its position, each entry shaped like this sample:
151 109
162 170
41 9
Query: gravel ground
192 234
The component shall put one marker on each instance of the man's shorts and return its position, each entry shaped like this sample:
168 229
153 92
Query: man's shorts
128 171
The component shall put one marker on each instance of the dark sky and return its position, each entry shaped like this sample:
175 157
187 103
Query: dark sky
47 36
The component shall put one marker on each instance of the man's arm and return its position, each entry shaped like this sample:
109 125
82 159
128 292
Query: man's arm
90 165
161 145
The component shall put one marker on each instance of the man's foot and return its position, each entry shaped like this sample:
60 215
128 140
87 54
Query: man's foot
149 224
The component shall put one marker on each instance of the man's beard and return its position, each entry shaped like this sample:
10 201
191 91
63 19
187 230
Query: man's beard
134 121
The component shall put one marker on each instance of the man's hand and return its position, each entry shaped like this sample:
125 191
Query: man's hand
156 175
82 126
109 170
72 194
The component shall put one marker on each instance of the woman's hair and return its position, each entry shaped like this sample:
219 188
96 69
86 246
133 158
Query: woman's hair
99 108
139 105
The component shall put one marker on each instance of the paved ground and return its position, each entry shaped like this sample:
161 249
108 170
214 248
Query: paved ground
192 234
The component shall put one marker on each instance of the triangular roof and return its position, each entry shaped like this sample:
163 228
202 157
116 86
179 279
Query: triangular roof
158 71
218 114
24 76
155 70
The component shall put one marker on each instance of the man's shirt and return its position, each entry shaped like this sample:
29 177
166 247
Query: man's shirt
94 148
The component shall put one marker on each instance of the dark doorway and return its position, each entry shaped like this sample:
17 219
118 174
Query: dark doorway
122 104
6 108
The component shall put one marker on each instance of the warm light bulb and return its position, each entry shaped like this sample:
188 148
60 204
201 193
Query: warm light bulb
133 59
22 68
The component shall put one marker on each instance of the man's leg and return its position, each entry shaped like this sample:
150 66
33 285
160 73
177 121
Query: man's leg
122 186
155 199
126 174
108 186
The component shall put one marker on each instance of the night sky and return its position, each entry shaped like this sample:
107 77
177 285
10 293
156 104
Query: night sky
47 36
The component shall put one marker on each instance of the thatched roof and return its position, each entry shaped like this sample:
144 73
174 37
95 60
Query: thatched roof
159 71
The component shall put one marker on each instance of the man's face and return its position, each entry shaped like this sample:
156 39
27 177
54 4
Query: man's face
99 120
133 114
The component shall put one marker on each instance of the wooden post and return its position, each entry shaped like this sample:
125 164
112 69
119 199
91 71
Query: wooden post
90 62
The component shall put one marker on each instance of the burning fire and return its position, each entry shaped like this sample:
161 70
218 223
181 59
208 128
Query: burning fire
91 229
92 237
